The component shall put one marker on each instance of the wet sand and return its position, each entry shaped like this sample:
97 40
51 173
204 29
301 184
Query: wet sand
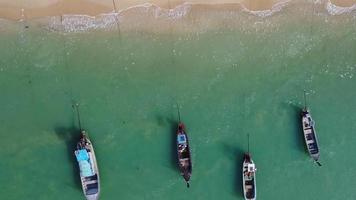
16 10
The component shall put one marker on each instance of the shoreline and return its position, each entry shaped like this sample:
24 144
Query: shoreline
15 10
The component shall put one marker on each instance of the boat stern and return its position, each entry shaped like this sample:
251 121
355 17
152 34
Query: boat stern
92 197
315 156
186 176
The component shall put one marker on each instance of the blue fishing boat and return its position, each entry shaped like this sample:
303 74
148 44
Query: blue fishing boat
89 173
88 167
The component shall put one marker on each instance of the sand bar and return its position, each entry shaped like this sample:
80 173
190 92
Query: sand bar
19 9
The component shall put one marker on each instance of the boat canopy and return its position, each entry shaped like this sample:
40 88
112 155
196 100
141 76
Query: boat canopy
182 139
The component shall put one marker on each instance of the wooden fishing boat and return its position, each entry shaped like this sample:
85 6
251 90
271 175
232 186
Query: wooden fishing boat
88 167
249 178
89 173
310 134
184 159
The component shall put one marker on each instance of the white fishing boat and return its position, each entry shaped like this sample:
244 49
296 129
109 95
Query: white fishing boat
249 176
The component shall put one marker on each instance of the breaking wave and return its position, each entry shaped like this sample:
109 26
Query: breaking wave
338 10
266 13
78 23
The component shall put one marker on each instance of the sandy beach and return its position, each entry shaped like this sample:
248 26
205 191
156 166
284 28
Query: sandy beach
17 9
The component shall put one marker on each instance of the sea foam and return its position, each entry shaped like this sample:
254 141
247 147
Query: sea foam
112 20
175 13
338 10
266 13
81 23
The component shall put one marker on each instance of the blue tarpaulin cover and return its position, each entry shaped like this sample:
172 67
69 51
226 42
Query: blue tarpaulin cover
82 155
84 165
85 168
181 139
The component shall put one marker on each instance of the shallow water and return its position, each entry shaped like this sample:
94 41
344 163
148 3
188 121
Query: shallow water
228 82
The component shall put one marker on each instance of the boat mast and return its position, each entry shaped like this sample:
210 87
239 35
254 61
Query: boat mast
248 143
305 100
78 116
178 113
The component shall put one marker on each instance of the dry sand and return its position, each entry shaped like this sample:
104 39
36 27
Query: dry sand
19 9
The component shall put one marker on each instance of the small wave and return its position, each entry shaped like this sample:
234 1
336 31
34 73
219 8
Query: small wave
338 10
175 13
81 23
78 23
266 13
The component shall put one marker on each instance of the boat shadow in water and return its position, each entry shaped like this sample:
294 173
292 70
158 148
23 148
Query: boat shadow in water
174 155
70 136
298 129
236 154
172 131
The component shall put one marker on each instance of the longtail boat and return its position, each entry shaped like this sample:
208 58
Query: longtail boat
311 141
183 151
89 172
249 177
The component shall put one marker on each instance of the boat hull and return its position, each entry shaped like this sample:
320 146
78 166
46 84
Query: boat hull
183 152
310 137
249 178
89 173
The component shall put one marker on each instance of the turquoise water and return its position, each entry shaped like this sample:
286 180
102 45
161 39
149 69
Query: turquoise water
228 82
